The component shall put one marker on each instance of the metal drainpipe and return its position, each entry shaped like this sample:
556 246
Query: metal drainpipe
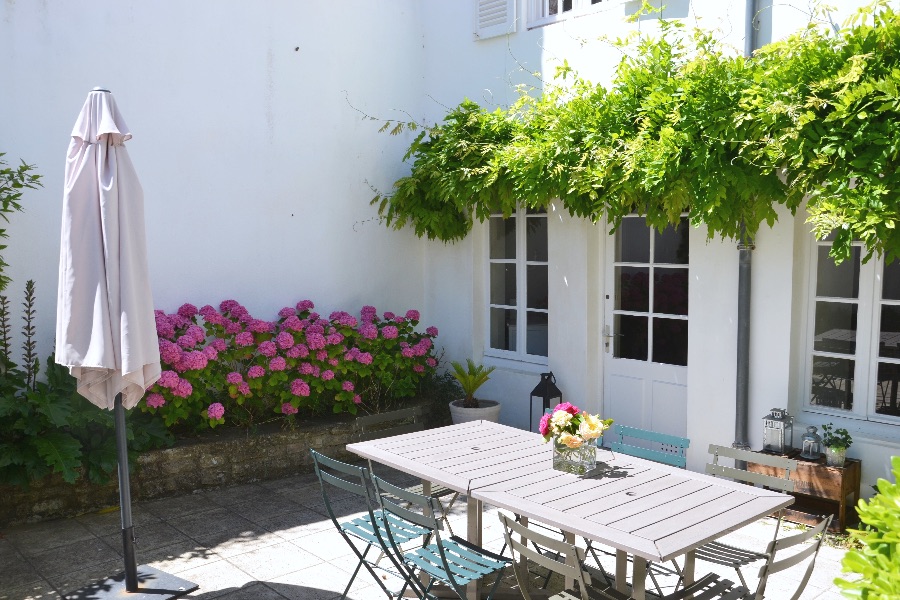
745 256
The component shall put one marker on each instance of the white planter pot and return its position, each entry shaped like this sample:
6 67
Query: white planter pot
835 457
488 410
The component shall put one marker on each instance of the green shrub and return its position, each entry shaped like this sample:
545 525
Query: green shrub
878 561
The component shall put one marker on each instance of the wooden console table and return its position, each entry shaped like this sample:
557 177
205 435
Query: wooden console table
820 489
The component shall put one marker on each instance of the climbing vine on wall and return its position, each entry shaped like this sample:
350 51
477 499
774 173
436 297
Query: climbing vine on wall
686 125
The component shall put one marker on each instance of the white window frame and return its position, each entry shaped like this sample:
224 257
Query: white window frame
865 375
537 11
519 356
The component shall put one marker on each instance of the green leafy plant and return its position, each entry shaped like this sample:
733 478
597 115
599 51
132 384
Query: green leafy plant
46 426
12 183
685 126
470 378
835 438
877 562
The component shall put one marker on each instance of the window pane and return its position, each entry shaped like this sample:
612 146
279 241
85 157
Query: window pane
537 287
835 327
503 329
554 7
567 5
890 284
886 389
536 238
633 241
832 382
672 244
670 291
503 284
631 337
632 288
670 341
837 281
889 344
503 237
536 335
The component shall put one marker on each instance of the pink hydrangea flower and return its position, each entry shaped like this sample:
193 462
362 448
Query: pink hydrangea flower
260 326
268 348
306 368
255 372
195 360
321 355
407 353
412 315
210 352
196 332
365 358
315 341
294 323
165 328
226 306
369 331
277 364
288 409
219 344
244 389
357 399
169 352
368 313
343 319
215 411
168 379
187 310
186 341
316 328
327 375
183 389
234 378
333 362
305 305
419 368
431 362
284 340
432 331
389 316
155 400
243 339
334 338
287 311
299 388
399 319
347 386
298 351
233 327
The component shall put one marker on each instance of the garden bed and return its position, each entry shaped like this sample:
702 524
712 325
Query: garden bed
217 458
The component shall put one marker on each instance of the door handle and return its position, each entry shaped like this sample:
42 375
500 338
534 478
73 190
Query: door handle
607 336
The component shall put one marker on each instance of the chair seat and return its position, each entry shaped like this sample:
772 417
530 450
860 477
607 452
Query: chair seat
437 490
402 530
731 556
467 562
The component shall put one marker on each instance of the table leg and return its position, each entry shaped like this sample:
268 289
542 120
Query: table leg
687 571
426 491
621 571
639 578
474 516
571 559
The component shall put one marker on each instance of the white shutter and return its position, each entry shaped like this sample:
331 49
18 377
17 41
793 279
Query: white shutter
494 17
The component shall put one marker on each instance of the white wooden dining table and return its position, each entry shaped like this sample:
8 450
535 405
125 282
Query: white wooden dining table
644 509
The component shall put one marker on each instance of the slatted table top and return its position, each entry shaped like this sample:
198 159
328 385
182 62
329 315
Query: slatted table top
641 507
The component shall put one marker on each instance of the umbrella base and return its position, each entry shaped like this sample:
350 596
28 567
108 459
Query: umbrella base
153 584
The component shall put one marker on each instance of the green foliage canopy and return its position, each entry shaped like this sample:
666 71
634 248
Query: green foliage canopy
685 126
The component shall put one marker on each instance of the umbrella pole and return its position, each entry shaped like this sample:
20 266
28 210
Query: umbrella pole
131 580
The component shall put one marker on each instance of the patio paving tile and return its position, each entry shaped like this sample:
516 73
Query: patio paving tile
263 541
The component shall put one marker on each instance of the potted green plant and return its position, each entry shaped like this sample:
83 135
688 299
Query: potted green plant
836 442
471 377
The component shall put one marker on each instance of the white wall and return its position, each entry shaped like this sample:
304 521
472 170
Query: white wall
255 166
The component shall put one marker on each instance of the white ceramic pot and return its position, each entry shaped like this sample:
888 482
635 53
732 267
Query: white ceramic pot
488 410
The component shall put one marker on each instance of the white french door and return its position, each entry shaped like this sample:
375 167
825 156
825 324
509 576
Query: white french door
645 330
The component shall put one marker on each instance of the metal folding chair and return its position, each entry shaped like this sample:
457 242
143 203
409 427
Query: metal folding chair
651 445
369 529
453 561
397 422
733 556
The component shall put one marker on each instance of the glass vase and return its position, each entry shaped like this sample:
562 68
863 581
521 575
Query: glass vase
577 461
835 457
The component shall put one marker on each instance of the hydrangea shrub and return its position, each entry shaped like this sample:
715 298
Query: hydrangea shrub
222 364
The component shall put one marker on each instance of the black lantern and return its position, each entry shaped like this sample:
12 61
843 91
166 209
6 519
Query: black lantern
545 391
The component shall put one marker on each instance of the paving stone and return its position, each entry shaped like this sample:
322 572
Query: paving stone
40 537
38 590
273 561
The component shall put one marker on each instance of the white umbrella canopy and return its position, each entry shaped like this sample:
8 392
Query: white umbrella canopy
105 326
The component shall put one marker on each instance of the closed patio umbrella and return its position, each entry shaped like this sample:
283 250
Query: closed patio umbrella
105 326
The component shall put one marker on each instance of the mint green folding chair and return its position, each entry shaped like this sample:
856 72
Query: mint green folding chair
452 561
369 530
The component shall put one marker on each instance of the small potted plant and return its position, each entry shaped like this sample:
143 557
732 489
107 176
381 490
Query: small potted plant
836 442
470 378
